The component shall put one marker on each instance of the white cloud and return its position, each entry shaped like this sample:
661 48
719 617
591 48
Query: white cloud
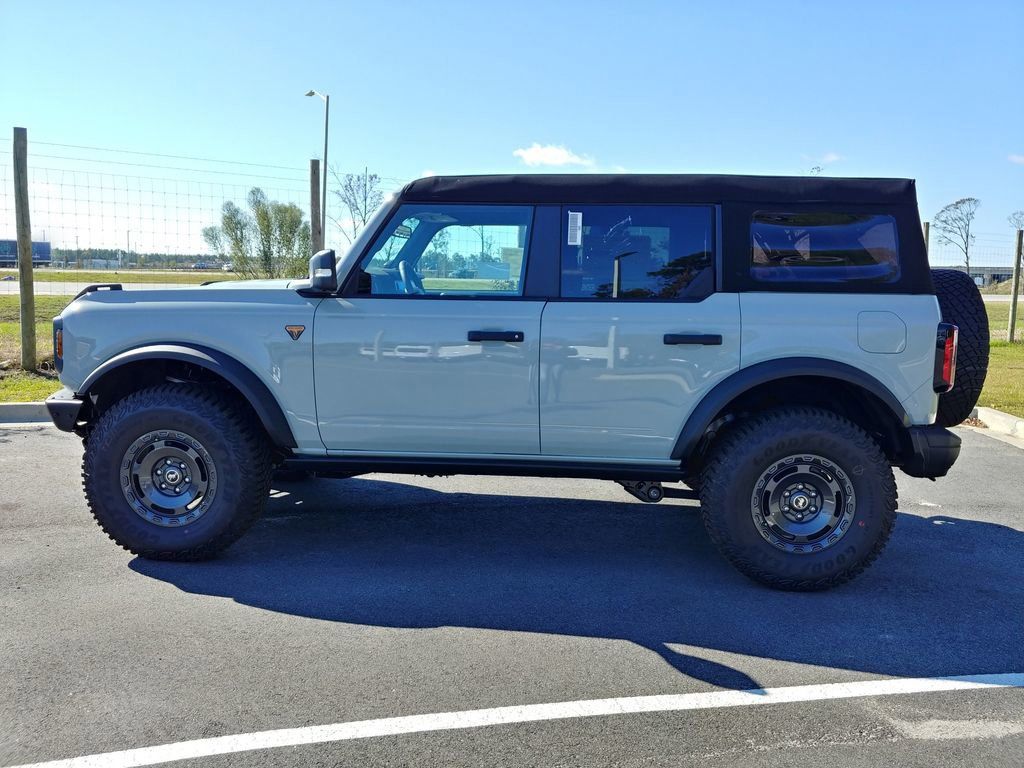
830 157
1018 159
551 155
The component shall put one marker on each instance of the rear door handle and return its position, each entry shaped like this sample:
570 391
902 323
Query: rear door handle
707 339
495 336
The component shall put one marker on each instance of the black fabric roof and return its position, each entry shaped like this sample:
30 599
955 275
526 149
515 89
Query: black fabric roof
657 188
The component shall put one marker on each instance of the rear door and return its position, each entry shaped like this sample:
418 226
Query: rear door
639 333
435 351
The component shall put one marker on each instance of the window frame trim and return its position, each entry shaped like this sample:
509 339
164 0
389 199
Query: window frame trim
349 286
777 211
715 210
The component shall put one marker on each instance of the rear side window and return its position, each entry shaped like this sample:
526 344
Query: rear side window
637 252
823 247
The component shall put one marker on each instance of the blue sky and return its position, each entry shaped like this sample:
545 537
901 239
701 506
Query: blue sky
933 91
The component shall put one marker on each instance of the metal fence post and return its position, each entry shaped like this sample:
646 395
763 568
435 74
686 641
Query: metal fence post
927 236
26 287
1015 286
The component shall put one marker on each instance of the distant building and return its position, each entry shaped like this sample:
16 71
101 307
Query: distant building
985 275
41 256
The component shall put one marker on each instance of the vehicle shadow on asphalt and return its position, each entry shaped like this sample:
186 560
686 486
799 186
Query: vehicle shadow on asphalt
946 597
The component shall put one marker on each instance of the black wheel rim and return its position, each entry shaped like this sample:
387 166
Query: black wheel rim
803 504
168 478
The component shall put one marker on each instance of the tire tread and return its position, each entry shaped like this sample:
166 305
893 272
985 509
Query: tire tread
753 434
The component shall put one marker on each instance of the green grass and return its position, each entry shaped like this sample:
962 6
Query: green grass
22 387
999 319
1004 385
123 276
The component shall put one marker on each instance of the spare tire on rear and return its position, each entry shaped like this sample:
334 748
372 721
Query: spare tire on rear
961 304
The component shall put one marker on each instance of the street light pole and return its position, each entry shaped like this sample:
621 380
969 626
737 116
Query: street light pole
323 197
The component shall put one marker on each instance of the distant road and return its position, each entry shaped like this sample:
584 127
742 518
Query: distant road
10 287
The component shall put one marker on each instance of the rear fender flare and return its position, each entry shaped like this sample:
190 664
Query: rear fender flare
756 375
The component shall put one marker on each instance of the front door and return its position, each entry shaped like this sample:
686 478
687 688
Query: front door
436 352
639 334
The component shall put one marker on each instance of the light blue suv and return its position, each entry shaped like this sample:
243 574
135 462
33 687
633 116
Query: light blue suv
776 344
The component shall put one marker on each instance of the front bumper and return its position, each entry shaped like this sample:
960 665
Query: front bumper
64 407
933 450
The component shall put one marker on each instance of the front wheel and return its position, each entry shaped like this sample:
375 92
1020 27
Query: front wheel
176 472
798 498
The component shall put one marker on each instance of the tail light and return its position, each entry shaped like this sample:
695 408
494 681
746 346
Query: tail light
58 343
945 357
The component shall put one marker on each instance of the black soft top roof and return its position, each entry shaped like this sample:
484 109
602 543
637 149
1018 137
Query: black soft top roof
658 188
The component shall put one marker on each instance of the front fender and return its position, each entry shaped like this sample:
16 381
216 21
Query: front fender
216 362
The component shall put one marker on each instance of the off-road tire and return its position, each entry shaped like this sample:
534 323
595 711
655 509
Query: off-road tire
231 436
962 305
735 465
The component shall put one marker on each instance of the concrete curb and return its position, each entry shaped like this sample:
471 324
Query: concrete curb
997 421
16 413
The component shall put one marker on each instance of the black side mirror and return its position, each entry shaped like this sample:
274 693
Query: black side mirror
323 276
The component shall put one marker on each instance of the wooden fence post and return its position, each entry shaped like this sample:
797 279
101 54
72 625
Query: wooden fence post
26 286
1015 285
314 206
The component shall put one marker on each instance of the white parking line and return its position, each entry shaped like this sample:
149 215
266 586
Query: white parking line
530 713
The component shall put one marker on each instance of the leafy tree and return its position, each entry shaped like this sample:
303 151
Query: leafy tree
269 240
953 223
360 196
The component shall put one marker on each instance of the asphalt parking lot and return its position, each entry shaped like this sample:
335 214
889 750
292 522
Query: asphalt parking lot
387 596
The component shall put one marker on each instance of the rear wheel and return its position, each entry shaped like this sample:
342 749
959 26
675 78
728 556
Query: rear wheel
176 472
798 498
961 304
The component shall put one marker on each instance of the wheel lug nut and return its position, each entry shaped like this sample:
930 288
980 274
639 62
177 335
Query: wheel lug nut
163 485
188 479
159 472
178 489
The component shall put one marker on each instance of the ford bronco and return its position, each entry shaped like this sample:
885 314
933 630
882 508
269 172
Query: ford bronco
777 345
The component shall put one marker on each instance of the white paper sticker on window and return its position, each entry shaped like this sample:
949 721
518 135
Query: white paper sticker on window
575 228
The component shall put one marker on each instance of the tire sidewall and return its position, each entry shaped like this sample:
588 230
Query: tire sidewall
104 457
738 532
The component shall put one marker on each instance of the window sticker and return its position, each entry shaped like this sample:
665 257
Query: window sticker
575 228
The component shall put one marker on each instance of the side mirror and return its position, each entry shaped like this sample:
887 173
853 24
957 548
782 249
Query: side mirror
323 276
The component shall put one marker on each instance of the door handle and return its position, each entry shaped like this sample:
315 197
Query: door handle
707 339
495 336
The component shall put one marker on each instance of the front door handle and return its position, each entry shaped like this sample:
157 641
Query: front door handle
707 339
495 336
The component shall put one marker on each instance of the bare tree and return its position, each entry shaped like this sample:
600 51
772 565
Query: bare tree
953 223
1016 219
360 196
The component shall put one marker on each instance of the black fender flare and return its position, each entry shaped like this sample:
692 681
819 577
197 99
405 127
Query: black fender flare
746 379
228 368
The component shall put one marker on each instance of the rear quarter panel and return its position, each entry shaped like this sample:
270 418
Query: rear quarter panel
861 330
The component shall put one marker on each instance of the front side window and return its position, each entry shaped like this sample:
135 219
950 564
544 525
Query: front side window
828 247
637 252
449 250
